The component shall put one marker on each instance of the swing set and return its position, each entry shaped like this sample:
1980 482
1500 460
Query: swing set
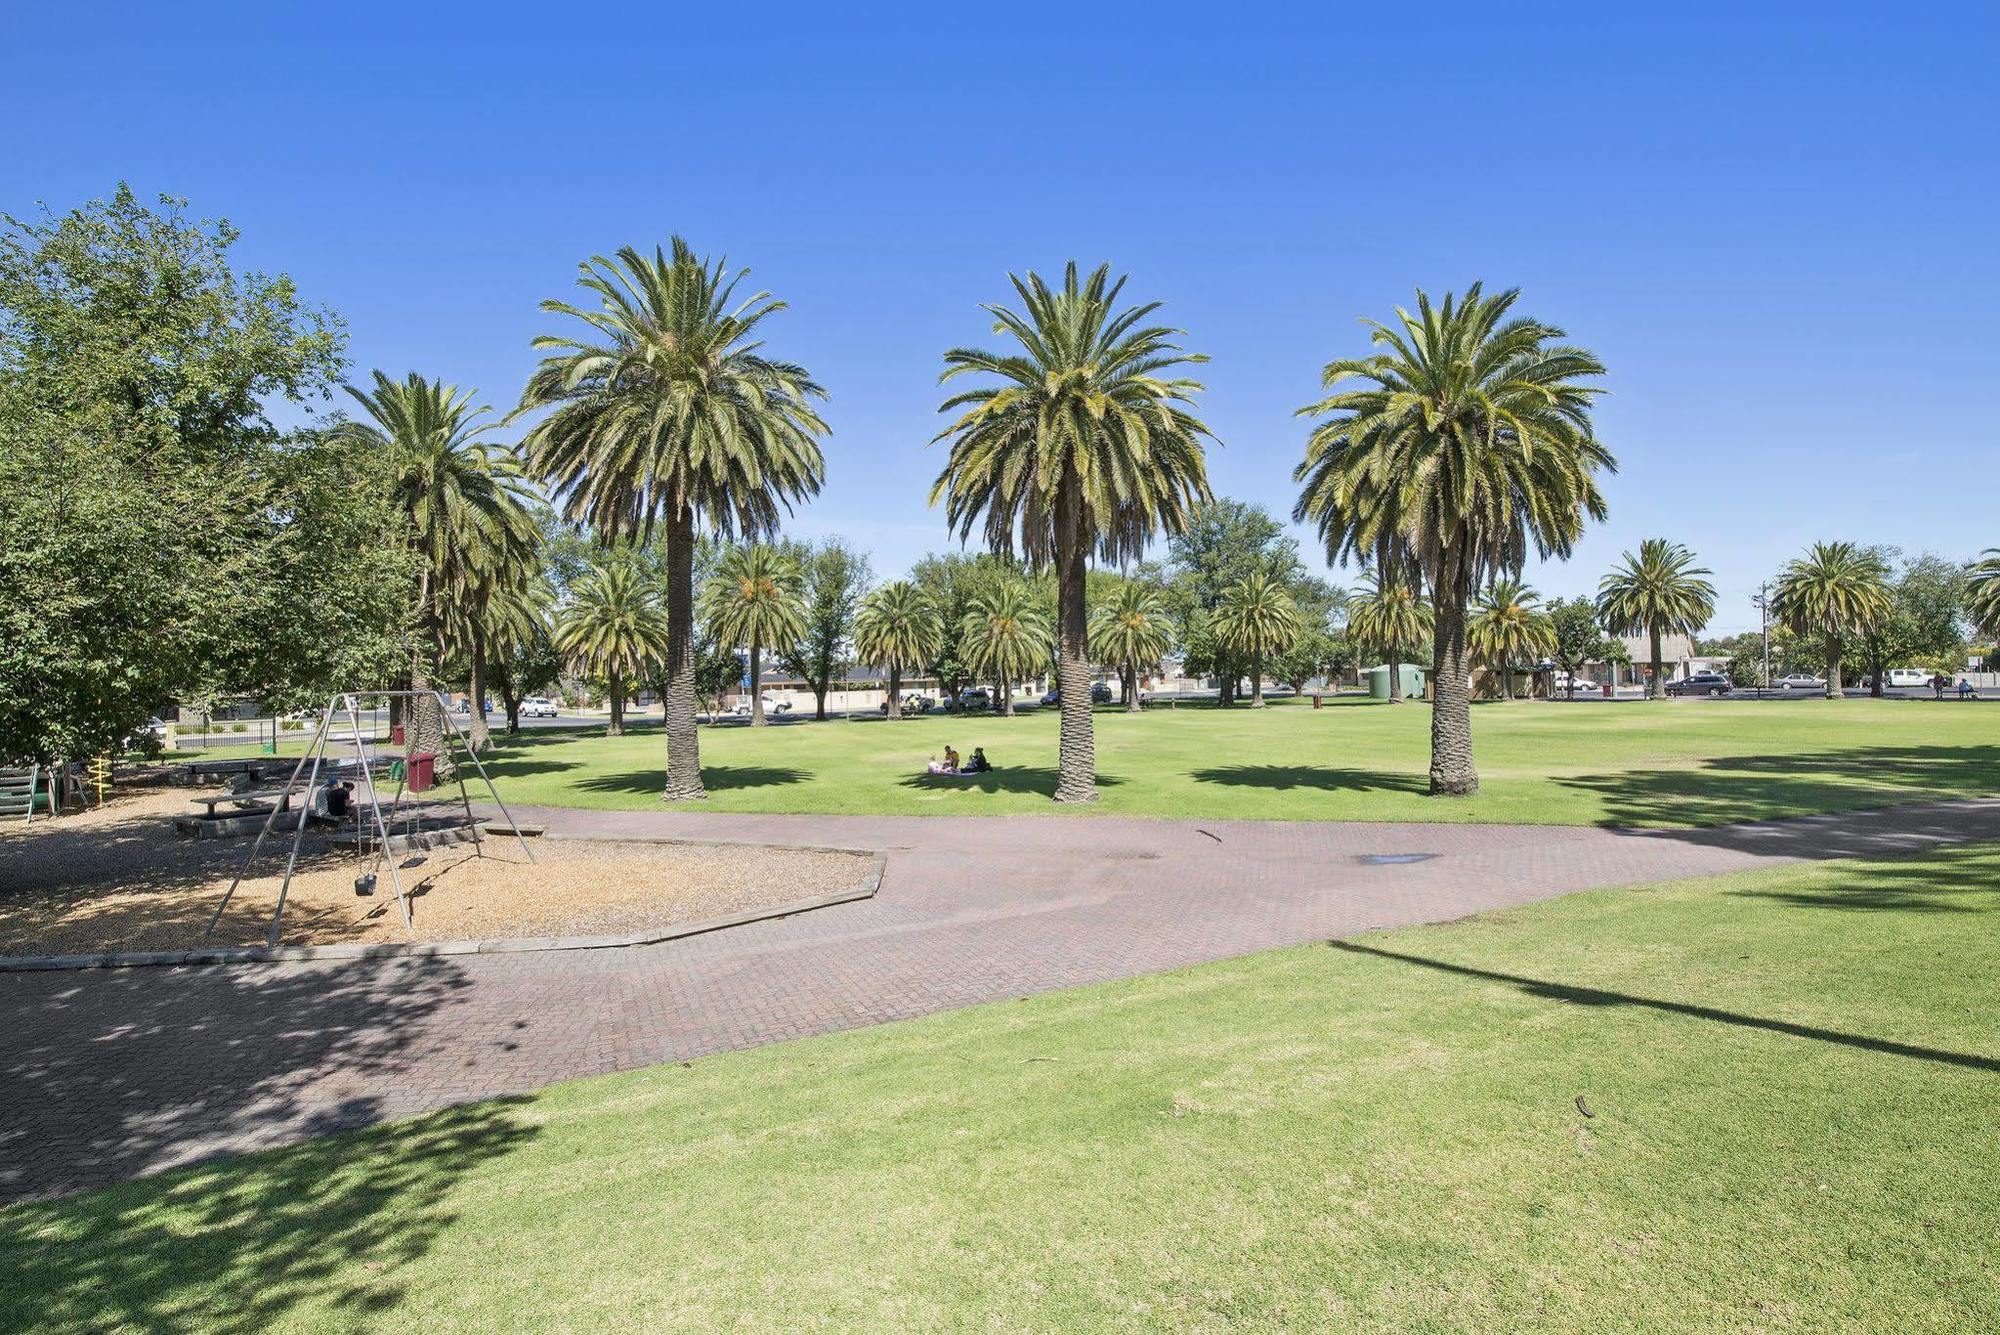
373 833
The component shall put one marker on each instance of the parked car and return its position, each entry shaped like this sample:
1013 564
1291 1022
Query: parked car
911 706
771 706
1559 684
1100 694
978 697
1903 677
1800 681
538 706
1700 683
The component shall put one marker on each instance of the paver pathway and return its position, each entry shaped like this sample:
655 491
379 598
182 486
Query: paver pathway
106 1074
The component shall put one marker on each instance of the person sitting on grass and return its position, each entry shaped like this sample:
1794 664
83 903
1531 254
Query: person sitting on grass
951 760
978 764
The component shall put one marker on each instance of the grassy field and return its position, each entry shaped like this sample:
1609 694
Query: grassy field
1791 1076
1678 763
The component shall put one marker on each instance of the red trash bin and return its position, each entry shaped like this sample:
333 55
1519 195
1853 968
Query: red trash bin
1607 690
422 771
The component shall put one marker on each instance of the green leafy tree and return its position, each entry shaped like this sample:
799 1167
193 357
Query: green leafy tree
1657 591
152 520
1508 626
1835 592
1982 596
1257 618
666 410
526 660
1388 615
1926 620
834 578
1079 443
1223 543
897 628
1318 650
753 602
1131 628
615 627
1006 637
1470 448
1578 638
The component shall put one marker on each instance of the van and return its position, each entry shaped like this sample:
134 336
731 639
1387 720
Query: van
1909 677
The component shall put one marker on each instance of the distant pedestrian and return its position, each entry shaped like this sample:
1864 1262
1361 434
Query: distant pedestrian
1938 683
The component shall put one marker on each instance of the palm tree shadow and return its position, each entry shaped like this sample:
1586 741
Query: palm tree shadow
1038 779
1545 990
1323 778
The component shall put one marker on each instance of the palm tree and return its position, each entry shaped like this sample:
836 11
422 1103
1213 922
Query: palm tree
614 628
1133 628
1005 636
467 507
1387 614
897 627
1257 617
502 608
754 600
1982 601
666 410
1471 448
1659 591
1836 590
1080 446
1507 624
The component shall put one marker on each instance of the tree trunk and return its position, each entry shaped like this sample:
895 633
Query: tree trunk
476 735
895 709
683 741
1077 750
1395 674
1506 681
756 684
819 699
1833 676
1875 682
1257 679
616 728
1006 688
423 722
513 703
1452 771
1132 686
1654 686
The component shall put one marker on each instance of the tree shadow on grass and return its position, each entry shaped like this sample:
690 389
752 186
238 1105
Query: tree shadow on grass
1962 878
1037 779
1546 990
1321 778
716 778
114 1073
1722 790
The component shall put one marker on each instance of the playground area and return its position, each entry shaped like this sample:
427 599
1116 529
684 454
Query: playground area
119 878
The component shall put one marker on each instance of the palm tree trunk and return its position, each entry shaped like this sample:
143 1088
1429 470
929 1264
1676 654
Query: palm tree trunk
1006 697
756 684
1131 686
683 741
1653 686
423 724
895 710
1506 680
1881 670
616 728
1395 674
1833 676
1076 752
476 735
1452 770
513 703
1257 679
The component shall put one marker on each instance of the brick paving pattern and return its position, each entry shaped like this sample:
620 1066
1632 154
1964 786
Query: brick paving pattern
107 1074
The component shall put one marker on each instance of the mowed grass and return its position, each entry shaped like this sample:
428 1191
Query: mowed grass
1673 763
1790 1076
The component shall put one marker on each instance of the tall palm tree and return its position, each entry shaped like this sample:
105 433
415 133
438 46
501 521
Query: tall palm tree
897 627
1470 448
1005 636
754 600
1256 617
666 410
1081 445
1131 630
1507 624
1835 591
1388 614
1982 600
467 507
615 628
1657 591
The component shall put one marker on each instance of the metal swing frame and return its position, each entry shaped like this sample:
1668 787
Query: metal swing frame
348 703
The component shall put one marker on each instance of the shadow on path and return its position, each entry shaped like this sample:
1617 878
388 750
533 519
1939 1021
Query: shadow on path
1544 990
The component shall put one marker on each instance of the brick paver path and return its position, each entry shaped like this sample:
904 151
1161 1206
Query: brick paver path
111 1073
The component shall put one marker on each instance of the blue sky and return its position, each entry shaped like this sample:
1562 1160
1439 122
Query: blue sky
1777 228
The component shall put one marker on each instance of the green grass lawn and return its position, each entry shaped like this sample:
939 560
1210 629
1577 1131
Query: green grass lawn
1793 1077
1676 763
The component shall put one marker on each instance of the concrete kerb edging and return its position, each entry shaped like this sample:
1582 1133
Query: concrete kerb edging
866 888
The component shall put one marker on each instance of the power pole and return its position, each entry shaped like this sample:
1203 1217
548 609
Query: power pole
1764 614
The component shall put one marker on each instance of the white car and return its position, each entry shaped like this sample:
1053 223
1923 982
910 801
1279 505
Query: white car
538 706
742 707
1800 681
1909 677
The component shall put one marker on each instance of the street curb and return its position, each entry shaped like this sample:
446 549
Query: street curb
866 888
